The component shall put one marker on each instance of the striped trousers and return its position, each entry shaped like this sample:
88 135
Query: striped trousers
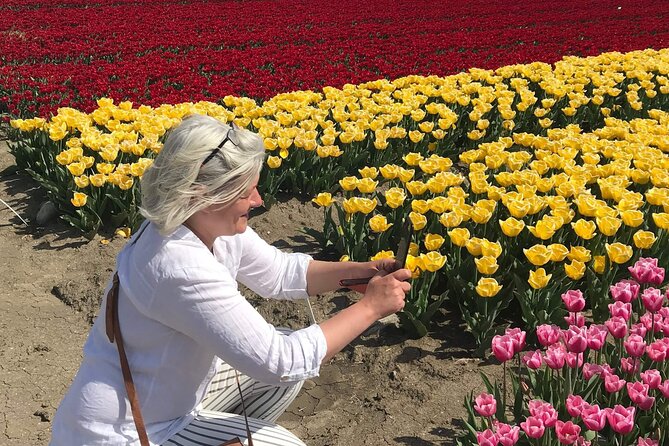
221 418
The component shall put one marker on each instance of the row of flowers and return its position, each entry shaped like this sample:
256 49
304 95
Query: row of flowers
589 384
156 52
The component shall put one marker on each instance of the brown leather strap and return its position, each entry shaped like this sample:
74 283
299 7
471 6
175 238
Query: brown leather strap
114 334
113 330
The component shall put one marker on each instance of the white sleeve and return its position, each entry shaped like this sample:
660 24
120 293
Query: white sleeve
271 272
204 303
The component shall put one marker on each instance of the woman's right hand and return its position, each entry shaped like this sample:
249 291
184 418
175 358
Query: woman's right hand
386 292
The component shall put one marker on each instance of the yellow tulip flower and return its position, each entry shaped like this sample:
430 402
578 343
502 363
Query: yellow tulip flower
580 253
511 227
644 239
480 215
608 225
415 265
344 258
432 261
405 175
420 206
125 182
98 180
418 220
369 172
632 218
416 187
473 245
274 162
323 199
367 185
574 270
433 242
390 171
348 183
76 169
661 220
538 255
599 264
618 252
543 230
412 158
383 255
395 197
416 136
439 204
486 265
81 181
584 228
379 223
365 205
105 168
517 208
487 287
64 158
123 232
450 219
657 196
558 252
414 248
459 236
539 279
490 249
79 199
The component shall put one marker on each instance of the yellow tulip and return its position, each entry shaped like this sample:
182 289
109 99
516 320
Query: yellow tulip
405 174
433 242
517 208
79 199
558 252
644 239
367 185
379 223
125 182
657 196
632 218
661 219
432 261
344 258
369 172
348 183
390 171
416 187
584 228
574 270
608 225
543 230
395 197
490 249
414 248
365 205
274 162
618 252
473 245
383 255
420 206
439 204
538 255
64 158
418 220
412 158
599 264
511 227
323 199
123 232
459 236
98 180
487 287
416 136
76 169
105 168
539 279
81 181
486 265
415 265
480 215
450 219
580 253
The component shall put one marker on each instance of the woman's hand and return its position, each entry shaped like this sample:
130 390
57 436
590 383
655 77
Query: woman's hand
386 291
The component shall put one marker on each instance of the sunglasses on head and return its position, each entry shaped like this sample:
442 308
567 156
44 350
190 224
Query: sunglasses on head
229 136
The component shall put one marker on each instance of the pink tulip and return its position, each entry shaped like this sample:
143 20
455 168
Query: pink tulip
647 322
597 336
647 442
629 365
607 370
555 356
574 301
635 345
544 411
567 433
485 405
639 328
574 405
573 360
548 334
503 347
621 419
664 388
620 309
518 337
589 370
576 339
617 326
532 359
576 319
652 299
593 417
645 270
657 351
625 291
651 378
612 383
507 435
487 438
583 442
638 393
533 427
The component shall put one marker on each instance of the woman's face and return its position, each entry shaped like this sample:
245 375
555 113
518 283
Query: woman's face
233 219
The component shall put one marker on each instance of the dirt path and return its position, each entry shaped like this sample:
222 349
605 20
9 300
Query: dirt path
383 389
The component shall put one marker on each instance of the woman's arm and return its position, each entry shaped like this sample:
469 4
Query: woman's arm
325 276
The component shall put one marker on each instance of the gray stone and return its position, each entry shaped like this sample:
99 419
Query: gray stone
47 212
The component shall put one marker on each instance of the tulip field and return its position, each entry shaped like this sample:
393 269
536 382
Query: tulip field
528 144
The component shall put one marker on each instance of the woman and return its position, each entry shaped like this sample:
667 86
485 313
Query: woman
186 327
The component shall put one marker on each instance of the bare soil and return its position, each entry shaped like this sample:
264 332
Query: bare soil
384 388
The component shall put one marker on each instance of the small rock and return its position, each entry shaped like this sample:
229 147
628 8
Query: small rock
393 375
46 213
43 415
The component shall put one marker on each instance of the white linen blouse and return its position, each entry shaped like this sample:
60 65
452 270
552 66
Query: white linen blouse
179 309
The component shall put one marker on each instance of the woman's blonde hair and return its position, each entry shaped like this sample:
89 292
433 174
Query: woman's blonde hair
179 183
